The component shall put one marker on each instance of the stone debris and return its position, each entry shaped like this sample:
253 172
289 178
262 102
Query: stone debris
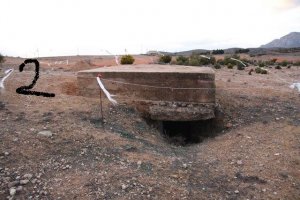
45 133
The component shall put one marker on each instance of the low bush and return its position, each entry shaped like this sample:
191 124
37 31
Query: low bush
127 60
182 60
240 66
260 70
230 66
261 64
278 67
165 59
284 63
217 66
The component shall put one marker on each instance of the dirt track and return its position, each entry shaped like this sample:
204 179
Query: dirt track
256 156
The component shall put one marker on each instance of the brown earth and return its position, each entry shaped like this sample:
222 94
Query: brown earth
255 156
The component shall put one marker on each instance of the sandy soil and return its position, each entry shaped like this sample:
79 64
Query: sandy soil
255 156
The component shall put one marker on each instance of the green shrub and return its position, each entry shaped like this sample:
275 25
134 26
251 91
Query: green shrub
228 60
198 60
278 67
127 60
284 63
165 59
217 66
261 64
264 71
182 60
260 70
240 66
1 58
230 66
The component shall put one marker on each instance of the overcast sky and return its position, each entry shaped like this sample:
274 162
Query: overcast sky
90 27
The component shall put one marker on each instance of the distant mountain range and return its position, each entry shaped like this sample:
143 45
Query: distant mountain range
287 44
291 40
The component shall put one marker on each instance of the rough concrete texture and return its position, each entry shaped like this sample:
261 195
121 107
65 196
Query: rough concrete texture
160 92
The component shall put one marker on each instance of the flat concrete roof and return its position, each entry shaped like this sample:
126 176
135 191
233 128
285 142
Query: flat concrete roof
154 68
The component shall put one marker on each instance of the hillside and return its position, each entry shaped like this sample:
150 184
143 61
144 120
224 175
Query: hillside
292 40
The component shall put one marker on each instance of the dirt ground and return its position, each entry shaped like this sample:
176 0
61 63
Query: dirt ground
255 156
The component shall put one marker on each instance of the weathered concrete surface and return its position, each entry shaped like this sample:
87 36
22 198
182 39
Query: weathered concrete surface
160 92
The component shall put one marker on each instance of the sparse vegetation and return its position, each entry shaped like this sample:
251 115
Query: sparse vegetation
278 67
230 66
127 60
242 51
182 60
261 64
260 70
284 63
165 59
240 66
217 66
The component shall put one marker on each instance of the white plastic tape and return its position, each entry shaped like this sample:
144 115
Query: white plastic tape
239 61
295 86
7 72
108 95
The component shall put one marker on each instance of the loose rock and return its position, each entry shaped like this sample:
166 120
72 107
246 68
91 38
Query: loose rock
45 133
24 182
12 191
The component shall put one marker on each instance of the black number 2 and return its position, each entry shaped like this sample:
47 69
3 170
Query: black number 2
26 90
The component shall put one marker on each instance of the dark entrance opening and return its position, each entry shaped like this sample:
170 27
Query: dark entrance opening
189 132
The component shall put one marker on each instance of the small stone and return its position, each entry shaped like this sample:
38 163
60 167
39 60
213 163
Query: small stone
45 133
229 125
24 182
236 191
277 118
28 176
264 190
12 191
12 184
139 162
124 187
32 129
239 162
6 153
19 188
184 166
276 154
16 139
34 181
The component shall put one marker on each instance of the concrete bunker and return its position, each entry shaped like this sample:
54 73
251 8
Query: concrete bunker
179 98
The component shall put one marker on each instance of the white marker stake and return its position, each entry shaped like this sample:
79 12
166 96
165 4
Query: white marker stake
239 61
117 60
109 96
7 72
